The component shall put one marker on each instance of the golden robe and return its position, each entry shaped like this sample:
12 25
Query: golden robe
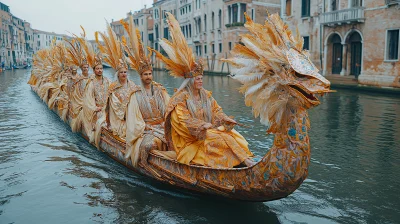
96 95
116 107
145 123
214 147
76 89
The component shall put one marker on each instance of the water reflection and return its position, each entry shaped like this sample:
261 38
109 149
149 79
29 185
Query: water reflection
47 171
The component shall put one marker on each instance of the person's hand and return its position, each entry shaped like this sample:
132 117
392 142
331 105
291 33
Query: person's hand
98 109
206 126
229 120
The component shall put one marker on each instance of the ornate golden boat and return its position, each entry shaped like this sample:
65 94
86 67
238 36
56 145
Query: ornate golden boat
280 92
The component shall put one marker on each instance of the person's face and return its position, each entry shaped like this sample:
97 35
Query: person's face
85 69
122 74
73 71
146 77
198 82
98 70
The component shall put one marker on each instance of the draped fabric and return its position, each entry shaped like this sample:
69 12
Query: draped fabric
145 123
96 95
76 89
214 147
117 105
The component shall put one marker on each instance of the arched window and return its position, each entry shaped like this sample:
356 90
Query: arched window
219 18
212 20
205 23
157 32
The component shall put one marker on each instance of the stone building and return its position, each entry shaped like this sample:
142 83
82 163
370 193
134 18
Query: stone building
43 39
350 37
211 27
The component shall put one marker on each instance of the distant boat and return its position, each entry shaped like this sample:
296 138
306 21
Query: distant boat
20 67
105 65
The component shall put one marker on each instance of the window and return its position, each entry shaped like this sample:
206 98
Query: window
212 20
166 32
205 49
156 13
220 47
306 45
334 5
212 48
305 8
157 32
190 30
219 18
252 14
230 45
205 22
288 7
392 45
356 3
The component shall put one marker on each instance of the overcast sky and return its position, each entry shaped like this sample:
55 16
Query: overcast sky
63 16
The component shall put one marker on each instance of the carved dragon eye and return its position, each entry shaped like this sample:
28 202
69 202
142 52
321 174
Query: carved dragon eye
298 75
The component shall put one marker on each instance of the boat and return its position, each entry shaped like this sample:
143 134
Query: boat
105 65
285 165
278 174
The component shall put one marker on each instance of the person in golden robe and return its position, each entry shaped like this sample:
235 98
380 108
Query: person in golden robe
195 126
119 93
94 102
120 90
76 93
80 53
147 104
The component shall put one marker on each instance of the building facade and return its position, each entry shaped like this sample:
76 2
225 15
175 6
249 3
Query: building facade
43 39
211 27
18 41
350 37
357 38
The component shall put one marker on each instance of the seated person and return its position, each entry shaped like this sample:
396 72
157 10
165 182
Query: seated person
195 126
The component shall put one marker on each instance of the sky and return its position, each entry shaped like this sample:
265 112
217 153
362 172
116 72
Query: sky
66 16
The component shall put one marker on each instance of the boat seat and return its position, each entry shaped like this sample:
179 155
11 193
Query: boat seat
170 155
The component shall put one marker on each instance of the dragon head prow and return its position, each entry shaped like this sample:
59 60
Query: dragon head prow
277 75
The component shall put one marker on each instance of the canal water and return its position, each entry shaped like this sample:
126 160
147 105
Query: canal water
50 175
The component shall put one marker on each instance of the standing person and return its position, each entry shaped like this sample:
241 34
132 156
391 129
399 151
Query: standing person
94 102
119 91
147 104
196 127
77 85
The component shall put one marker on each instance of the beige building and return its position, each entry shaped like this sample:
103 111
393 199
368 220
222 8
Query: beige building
43 39
5 35
350 37
211 27
18 41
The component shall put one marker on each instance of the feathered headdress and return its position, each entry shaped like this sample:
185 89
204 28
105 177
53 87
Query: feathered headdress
134 47
74 52
88 54
277 75
112 49
181 62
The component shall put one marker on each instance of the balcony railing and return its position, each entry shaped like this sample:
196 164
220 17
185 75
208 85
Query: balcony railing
343 16
392 2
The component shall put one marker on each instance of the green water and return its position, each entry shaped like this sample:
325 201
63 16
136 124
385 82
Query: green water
50 175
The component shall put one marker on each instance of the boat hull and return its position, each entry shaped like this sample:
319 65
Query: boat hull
247 184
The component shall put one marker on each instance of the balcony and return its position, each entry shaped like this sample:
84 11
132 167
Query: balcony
345 16
197 38
234 24
392 2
